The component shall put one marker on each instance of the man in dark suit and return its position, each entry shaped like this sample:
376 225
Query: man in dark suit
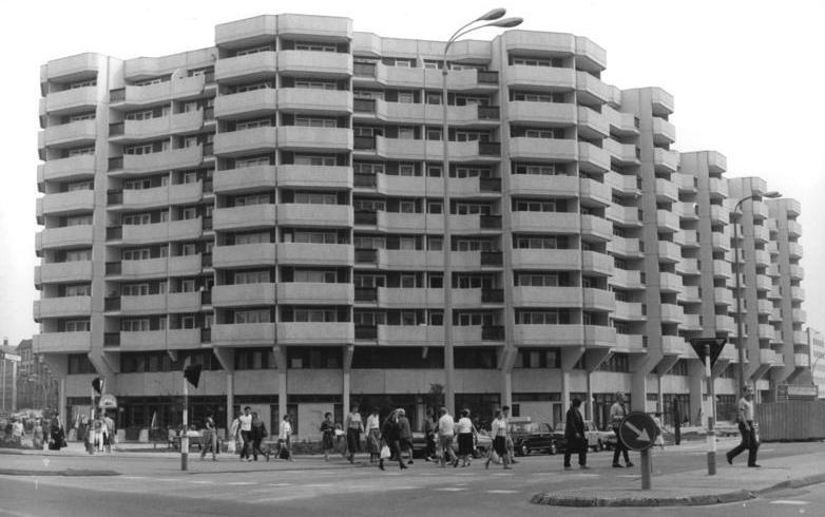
574 435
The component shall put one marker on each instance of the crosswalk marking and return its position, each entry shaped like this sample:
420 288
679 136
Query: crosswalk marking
450 489
502 491
788 502
242 483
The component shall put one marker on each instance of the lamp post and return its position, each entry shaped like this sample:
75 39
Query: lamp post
740 341
493 19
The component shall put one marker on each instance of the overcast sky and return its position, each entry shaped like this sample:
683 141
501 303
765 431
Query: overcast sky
747 77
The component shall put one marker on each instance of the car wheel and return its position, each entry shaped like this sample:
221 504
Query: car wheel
552 450
524 450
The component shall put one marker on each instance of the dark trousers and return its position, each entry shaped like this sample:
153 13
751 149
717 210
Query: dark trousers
620 448
246 436
748 442
576 445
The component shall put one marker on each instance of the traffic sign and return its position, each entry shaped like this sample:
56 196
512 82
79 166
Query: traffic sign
716 345
638 431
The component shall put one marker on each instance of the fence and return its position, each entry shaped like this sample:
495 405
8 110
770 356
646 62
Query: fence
793 420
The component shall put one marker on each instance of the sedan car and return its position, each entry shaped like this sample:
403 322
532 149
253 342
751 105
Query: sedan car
532 436
483 443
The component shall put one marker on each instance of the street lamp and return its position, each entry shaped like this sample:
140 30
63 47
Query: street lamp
493 19
740 341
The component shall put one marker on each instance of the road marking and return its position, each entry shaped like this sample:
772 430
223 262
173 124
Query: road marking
279 484
132 477
502 491
241 483
196 482
785 501
450 489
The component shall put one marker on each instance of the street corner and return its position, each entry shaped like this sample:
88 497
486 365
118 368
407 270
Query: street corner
637 499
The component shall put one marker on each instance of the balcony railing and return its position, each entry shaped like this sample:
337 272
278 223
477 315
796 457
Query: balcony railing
491 258
206 296
206 335
117 95
116 128
116 163
489 113
364 332
112 303
364 143
364 180
113 268
487 77
370 218
490 221
114 197
366 256
366 294
111 339
206 223
363 69
114 233
492 296
492 333
489 148
206 260
208 114
363 105
489 184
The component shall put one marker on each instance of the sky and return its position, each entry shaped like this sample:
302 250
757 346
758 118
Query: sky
747 77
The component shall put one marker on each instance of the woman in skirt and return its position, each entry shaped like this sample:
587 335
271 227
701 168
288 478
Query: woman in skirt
466 437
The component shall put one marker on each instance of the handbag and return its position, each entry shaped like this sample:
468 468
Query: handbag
385 452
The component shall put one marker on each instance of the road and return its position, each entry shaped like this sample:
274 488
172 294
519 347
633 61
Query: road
155 486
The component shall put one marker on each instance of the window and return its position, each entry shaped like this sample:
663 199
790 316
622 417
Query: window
188 248
539 279
315 85
406 97
538 358
78 290
252 277
136 254
252 316
80 151
134 290
254 359
543 317
251 124
253 50
316 198
78 255
80 364
78 186
315 47
135 325
314 160
304 121
241 88
315 276
406 133
82 116
314 357
306 315
309 237
137 219
252 238
76 326
189 213
551 169
82 84
78 220
256 161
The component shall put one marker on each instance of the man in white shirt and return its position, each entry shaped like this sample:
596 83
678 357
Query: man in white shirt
744 418
446 436
245 421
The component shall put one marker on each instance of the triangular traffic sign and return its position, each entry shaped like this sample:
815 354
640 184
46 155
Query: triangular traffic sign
716 346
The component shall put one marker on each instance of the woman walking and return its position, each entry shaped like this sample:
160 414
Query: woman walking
390 436
499 431
354 427
285 439
210 438
258 435
373 434
466 437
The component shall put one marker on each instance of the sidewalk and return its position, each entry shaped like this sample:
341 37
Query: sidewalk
730 484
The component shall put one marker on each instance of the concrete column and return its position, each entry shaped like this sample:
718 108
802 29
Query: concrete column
281 394
588 404
506 388
696 372
230 399
14 386
61 400
346 393
660 403
565 389
638 391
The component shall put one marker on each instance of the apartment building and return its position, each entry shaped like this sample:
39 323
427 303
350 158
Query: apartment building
816 344
272 208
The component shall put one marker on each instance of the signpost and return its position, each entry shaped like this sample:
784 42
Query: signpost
708 350
638 431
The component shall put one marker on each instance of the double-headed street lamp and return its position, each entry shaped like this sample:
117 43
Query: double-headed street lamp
493 19
740 342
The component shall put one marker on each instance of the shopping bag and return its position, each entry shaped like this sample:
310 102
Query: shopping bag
495 458
230 446
385 453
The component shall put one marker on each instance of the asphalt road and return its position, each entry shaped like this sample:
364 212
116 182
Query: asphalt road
154 486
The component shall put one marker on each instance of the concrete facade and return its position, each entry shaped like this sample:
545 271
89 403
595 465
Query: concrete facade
272 208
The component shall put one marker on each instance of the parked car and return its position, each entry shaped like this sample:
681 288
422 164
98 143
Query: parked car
532 436
483 443
596 438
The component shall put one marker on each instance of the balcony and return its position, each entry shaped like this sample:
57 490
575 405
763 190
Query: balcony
627 279
410 260
247 179
243 334
310 62
545 185
794 228
243 255
246 68
666 190
662 102
136 130
671 313
63 272
556 222
392 222
243 295
173 266
691 323
253 103
665 160
548 297
795 250
593 159
67 237
596 227
598 300
718 188
259 139
67 169
670 282
316 254
674 345
182 158
79 66
628 311
541 77
592 124
664 133
306 293
251 216
624 154
722 296
546 259
624 215
158 303
624 124
318 101
797 272
542 113
596 192
188 229
294 214
549 335
71 101
315 139
598 263
63 307
667 220
689 294
80 133
65 203
176 88
797 294
406 335
725 324
592 90
624 247
670 252
62 343
315 333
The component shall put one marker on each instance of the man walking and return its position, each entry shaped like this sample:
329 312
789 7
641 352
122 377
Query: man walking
511 447
744 417
617 413
210 438
245 427
446 436
574 434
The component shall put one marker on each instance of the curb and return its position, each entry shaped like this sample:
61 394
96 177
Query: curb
64 473
794 483
591 502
